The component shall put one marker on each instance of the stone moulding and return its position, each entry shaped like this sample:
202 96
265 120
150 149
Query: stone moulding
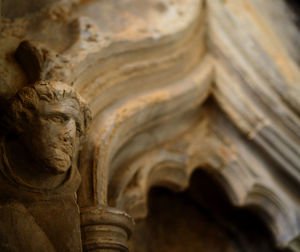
216 90
104 224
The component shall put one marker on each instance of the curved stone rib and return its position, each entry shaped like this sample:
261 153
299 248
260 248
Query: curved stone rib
147 81
121 72
111 61
275 209
122 122
245 64
242 174
131 192
256 37
254 122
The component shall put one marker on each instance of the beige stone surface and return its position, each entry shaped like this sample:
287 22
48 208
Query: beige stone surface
173 85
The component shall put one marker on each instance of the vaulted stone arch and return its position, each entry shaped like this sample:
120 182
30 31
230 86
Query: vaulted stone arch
172 86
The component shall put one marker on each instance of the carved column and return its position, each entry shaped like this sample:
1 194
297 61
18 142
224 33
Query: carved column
105 229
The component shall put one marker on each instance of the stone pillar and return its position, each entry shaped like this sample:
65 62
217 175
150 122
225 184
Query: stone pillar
105 229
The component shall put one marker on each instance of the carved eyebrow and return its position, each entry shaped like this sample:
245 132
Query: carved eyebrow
65 115
56 113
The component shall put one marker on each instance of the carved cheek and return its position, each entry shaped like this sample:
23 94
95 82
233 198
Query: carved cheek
71 129
49 132
39 130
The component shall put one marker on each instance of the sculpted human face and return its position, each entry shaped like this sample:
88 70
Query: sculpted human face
55 134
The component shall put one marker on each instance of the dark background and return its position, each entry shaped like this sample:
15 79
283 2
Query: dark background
295 7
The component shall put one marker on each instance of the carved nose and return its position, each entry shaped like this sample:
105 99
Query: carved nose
70 131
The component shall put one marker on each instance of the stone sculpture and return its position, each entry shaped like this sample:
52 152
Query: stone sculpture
39 178
174 87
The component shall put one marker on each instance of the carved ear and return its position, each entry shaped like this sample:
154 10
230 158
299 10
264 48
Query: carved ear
87 118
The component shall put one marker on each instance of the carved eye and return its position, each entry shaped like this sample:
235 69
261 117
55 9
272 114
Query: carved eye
58 118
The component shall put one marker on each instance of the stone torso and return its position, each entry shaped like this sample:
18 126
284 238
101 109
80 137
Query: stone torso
48 219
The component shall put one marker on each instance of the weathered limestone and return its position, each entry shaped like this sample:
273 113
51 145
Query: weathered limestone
173 86
105 229
39 174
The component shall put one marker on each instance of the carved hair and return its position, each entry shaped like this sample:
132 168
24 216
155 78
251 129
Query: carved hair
24 104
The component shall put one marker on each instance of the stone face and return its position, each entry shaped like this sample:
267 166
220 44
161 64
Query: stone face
173 86
39 174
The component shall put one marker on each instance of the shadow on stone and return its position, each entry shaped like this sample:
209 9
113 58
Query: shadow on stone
199 219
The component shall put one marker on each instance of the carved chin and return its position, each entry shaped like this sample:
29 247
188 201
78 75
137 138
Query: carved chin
60 163
61 166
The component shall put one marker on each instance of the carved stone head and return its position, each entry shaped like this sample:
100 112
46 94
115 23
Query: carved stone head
49 118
